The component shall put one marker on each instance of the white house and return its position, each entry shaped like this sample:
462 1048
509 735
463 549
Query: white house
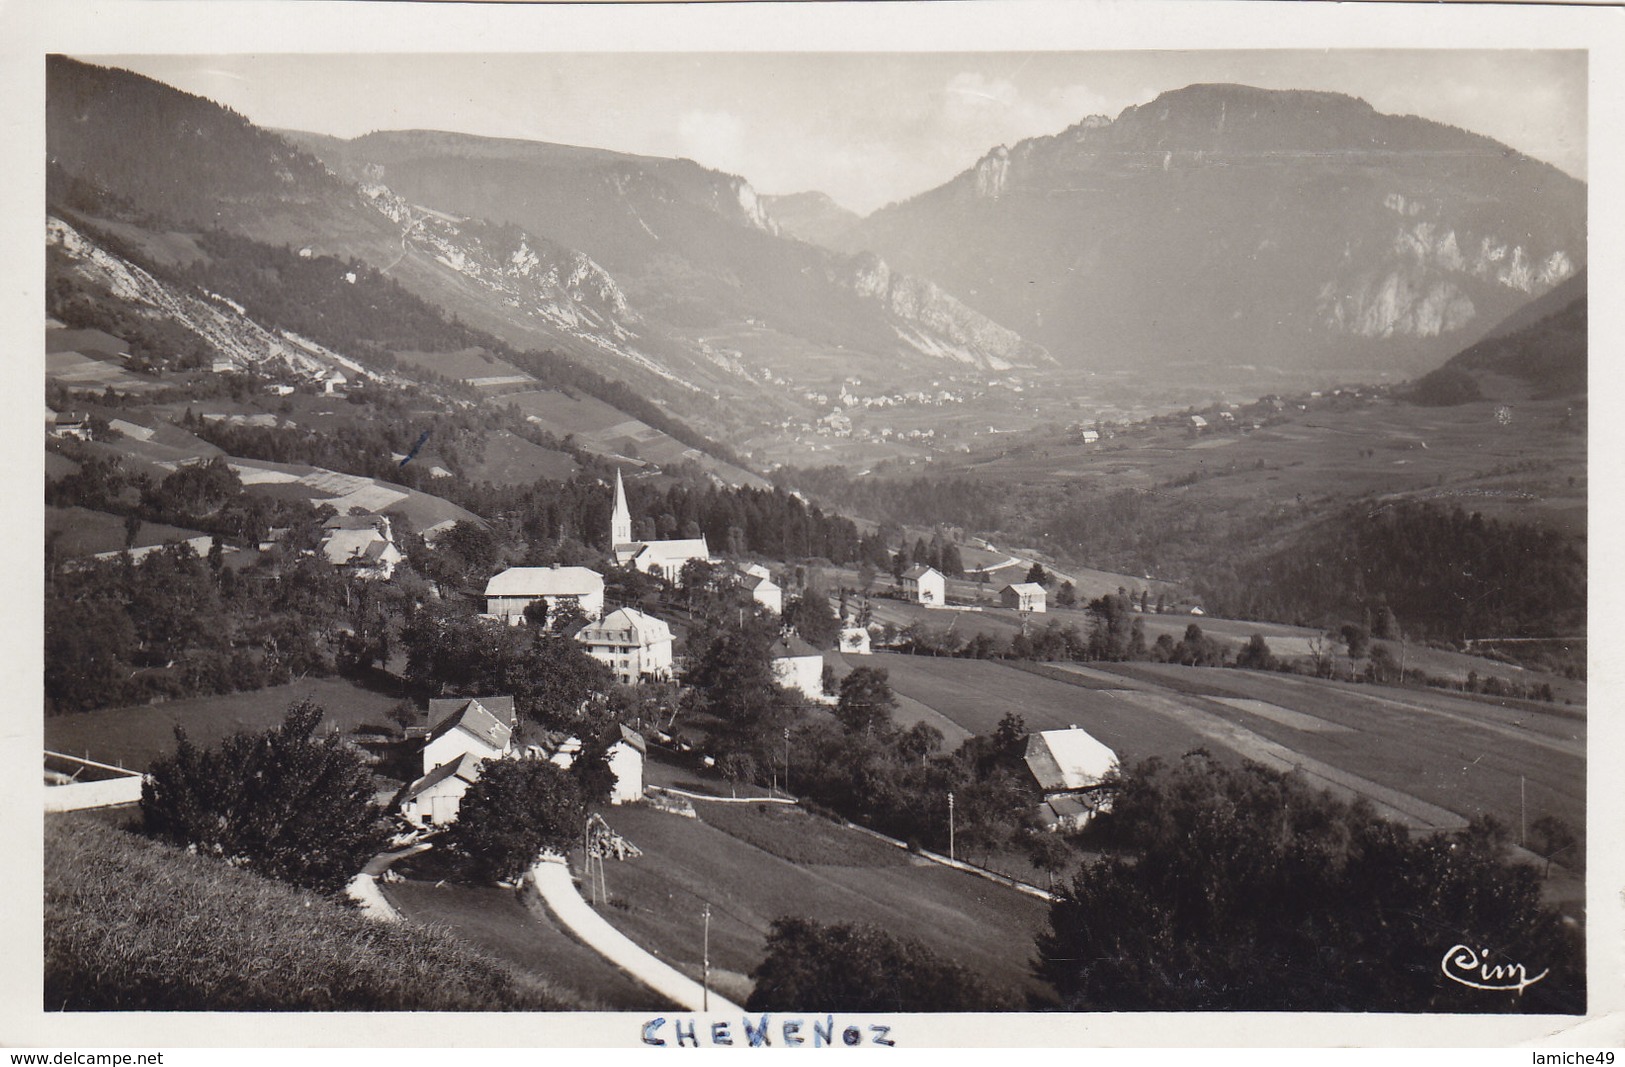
481 727
663 559
1024 596
799 667
362 544
434 799
636 646
762 588
508 594
925 585
1068 765
626 758
333 381
854 641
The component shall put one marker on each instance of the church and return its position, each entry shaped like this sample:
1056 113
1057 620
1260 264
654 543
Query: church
663 559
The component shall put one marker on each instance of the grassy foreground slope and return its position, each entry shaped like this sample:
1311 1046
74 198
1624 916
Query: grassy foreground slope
132 925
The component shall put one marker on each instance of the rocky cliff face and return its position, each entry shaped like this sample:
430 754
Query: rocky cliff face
1229 225
217 319
933 322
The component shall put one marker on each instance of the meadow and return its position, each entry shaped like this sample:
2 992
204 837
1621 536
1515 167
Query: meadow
134 736
133 925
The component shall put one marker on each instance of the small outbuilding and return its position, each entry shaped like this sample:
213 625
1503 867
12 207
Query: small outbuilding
1024 596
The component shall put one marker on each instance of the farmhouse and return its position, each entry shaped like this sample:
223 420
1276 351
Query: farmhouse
1068 766
636 646
924 585
361 544
508 594
481 727
1024 596
663 559
67 424
799 667
434 799
333 381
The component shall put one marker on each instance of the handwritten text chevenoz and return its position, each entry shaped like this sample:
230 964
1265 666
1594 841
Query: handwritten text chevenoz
761 1032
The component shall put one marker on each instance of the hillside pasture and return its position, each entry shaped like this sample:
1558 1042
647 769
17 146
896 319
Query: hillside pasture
511 460
1426 758
134 736
80 532
686 863
468 364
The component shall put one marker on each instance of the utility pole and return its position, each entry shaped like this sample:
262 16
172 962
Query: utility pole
787 761
951 824
1523 828
705 956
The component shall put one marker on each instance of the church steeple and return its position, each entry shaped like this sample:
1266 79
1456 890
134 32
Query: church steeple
620 523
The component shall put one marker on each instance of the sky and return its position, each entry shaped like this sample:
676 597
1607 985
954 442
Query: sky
866 128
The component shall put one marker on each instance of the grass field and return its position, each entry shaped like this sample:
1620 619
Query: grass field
134 925
510 460
687 863
1427 757
132 737
499 924
82 532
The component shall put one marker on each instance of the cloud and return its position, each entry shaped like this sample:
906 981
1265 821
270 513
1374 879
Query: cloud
714 138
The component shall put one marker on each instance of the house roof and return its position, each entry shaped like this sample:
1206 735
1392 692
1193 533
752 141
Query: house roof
1024 588
545 581
346 546
633 738
1067 759
625 624
466 767
476 720
502 707
920 570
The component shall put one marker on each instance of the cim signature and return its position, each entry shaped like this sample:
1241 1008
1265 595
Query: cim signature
1473 968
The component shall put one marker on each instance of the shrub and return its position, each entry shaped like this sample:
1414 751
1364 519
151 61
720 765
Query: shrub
280 801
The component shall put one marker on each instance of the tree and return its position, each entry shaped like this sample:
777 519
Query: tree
1037 575
1242 888
866 702
737 767
810 616
1066 596
855 967
1256 655
1357 638
282 802
518 809
1551 836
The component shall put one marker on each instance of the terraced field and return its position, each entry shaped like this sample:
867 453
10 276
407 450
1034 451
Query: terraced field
1429 759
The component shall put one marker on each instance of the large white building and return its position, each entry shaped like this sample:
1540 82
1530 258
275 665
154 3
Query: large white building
636 646
508 594
663 559
925 585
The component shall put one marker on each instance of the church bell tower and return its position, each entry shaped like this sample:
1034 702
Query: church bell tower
620 523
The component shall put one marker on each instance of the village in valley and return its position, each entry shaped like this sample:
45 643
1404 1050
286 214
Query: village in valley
496 645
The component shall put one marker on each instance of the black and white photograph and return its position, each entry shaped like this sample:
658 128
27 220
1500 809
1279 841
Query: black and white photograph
729 539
